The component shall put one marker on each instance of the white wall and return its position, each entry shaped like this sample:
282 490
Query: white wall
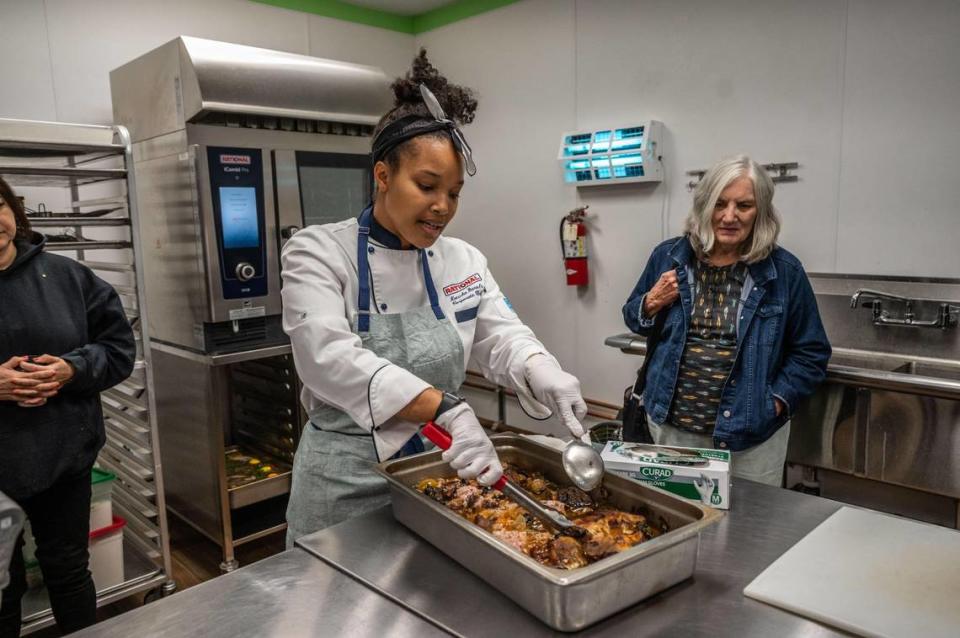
25 62
863 94
899 193
57 54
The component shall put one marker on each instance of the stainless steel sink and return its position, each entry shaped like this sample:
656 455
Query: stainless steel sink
924 369
896 372
869 362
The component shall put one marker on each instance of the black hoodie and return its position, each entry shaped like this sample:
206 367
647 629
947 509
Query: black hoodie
50 304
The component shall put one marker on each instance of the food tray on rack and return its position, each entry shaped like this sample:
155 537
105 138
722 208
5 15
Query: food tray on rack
253 477
567 600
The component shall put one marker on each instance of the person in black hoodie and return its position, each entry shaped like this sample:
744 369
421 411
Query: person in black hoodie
64 338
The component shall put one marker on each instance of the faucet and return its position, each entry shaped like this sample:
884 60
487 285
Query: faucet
946 314
880 316
875 294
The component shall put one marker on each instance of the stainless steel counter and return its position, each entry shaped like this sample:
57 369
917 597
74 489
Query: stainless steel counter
900 373
285 596
408 583
762 525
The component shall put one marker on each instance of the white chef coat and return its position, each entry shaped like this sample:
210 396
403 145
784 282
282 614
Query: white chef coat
320 285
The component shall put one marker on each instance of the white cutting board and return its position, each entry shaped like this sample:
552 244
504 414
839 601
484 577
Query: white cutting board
872 574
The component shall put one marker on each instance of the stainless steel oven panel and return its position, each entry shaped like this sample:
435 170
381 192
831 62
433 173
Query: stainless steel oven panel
160 146
173 252
287 182
219 306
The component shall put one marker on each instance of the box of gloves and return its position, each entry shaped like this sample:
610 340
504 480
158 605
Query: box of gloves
698 474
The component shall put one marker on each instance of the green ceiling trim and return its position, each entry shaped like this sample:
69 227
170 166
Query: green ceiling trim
348 12
442 16
455 12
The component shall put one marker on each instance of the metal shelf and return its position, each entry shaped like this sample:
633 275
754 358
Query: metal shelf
35 138
100 201
22 175
259 520
221 359
132 386
71 156
260 490
59 221
55 246
279 527
107 265
14 148
112 458
140 485
137 509
134 436
128 402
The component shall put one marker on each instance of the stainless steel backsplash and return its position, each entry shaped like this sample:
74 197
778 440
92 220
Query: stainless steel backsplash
853 327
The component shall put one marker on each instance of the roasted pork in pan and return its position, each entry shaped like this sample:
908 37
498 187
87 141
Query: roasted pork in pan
609 530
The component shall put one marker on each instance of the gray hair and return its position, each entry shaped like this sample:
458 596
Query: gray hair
766 227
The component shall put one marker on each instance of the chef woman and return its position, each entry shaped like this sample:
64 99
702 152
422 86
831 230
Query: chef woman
384 312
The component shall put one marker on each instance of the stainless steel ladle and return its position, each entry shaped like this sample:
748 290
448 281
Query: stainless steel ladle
583 465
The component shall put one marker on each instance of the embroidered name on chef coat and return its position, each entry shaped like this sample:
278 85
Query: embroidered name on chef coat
461 291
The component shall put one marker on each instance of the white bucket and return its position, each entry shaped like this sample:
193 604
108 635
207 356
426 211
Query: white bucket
106 554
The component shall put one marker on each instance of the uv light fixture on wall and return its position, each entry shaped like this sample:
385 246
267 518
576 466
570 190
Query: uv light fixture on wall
612 155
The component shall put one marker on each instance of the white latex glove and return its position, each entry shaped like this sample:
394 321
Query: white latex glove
471 454
559 391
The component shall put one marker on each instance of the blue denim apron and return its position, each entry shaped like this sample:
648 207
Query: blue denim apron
333 471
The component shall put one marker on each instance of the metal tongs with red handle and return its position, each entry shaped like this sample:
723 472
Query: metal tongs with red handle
442 439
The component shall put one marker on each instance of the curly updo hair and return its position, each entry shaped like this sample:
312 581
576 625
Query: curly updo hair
458 102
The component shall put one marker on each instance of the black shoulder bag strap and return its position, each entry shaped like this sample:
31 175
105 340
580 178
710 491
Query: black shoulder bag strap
635 428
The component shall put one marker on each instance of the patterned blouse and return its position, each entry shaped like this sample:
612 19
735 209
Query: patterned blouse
711 346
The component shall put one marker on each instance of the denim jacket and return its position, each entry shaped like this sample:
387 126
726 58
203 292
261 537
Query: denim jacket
782 349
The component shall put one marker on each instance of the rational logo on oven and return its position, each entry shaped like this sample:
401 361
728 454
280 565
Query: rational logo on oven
469 281
235 159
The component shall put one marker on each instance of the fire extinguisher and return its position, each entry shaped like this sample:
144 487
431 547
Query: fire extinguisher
573 241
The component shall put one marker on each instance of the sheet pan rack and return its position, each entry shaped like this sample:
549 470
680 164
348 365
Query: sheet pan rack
45 158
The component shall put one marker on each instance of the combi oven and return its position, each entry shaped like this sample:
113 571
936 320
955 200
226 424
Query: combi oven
237 150
252 191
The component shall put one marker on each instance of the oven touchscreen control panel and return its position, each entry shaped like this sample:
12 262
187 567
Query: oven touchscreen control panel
236 187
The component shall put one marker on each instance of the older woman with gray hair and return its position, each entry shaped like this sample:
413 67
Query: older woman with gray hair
741 342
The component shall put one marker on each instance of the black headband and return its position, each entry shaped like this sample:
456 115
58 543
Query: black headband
406 128
413 125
